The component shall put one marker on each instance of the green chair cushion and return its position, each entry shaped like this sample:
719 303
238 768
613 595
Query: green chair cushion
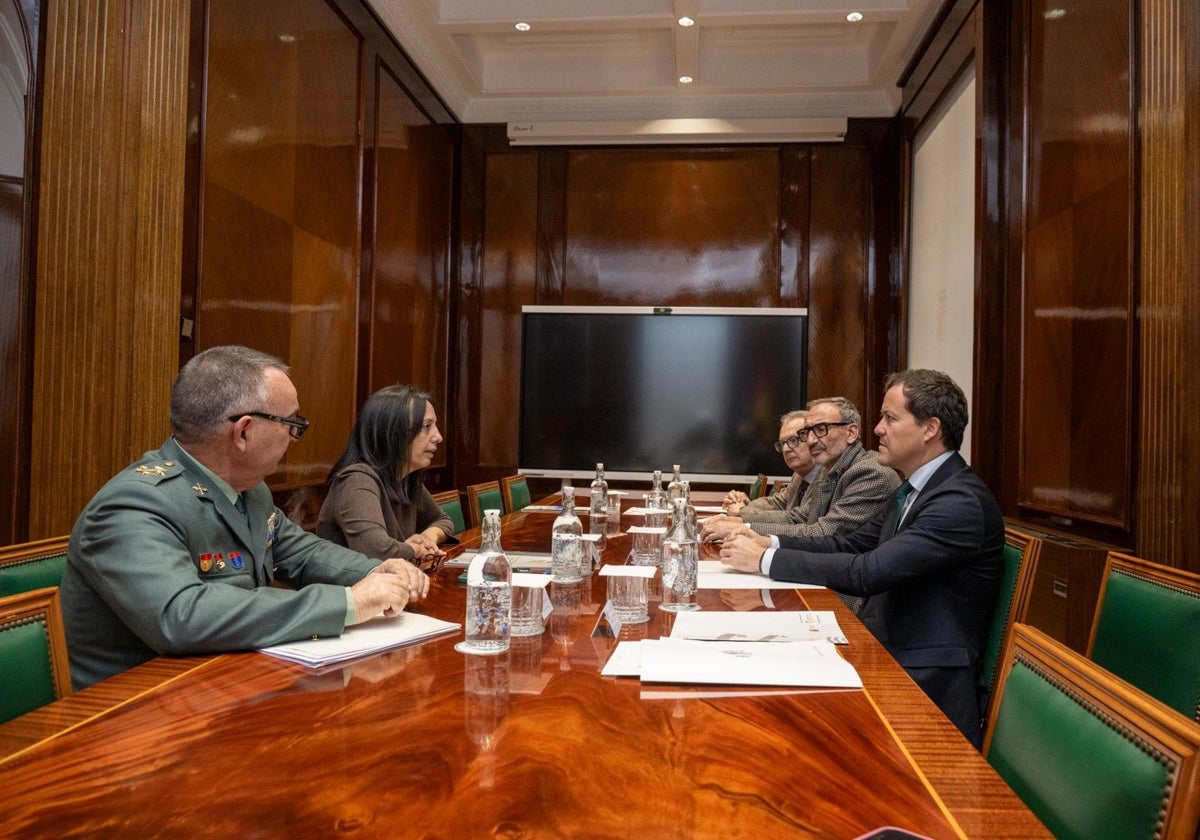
28 575
1149 635
490 500
455 511
25 662
519 491
1079 775
1013 555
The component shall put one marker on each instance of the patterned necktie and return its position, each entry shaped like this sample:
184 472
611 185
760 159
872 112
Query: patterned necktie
901 495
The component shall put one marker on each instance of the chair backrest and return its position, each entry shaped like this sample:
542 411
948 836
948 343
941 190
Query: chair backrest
1091 755
32 565
450 501
515 490
481 497
33 652
1021 553
759 487
1146 629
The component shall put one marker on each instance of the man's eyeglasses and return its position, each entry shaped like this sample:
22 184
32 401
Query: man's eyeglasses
297 424
820 429
794 442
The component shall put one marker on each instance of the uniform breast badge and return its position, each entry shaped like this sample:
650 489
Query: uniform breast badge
235 560
272 527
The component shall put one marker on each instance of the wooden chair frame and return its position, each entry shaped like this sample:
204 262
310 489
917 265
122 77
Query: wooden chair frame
42 605
1157 729
506 484
32 552
473 493
452 496
1154 573
1018 606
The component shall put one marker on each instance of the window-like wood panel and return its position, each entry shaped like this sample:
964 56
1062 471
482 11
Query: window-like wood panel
409 250
280 206
1076 415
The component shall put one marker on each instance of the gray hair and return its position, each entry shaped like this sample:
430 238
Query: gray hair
798 414
847 411
215 385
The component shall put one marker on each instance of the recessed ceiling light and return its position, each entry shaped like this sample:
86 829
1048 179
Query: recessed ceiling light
686 21
854 17
686 80
522 27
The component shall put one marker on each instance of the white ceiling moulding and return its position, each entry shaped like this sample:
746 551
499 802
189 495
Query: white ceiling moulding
638 132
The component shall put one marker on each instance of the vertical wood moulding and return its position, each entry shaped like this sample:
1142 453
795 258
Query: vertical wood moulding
107 290
1163 514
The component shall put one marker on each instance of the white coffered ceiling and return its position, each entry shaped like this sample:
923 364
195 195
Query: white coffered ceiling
620 60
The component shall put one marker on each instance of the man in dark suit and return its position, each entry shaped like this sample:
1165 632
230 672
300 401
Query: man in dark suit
929 565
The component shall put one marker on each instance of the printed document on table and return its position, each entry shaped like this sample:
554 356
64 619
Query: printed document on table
378 634
713 574
529 560
782 626
809 664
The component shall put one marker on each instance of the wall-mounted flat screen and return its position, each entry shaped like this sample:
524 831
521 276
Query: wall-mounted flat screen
641 388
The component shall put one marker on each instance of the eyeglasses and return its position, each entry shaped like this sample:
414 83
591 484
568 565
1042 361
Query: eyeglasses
297 424
794 442
820 429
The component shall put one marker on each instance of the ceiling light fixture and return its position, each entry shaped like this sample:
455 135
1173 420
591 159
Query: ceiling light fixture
854 17
522 27
686 21
686 80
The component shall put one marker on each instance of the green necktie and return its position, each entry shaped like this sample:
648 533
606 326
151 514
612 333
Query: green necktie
901 495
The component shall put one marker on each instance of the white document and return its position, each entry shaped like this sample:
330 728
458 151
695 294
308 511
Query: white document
713 574
531 560
709 509
809 664
625 661
784 626
617 570
378 634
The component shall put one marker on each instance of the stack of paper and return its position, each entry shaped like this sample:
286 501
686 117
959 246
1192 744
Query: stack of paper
787 648
372 636
669 660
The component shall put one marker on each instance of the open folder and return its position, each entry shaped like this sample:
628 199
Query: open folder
378 634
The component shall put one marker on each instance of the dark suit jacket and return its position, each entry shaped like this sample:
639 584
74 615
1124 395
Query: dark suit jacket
931 589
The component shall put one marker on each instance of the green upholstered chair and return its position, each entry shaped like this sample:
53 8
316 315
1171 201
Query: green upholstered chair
1021 553
32 565
33 652
1091 755
450 501
759 488
515 490
1147 630
483 496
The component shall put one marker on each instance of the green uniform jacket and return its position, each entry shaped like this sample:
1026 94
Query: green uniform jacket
160 563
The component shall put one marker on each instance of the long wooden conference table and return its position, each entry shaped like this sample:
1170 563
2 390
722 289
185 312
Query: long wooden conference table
424 741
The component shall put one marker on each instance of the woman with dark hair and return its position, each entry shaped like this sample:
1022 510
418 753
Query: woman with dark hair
375 501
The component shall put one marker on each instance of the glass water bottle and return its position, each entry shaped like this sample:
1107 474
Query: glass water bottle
489 593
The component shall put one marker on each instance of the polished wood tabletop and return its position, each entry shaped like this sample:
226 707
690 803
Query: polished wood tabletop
425 741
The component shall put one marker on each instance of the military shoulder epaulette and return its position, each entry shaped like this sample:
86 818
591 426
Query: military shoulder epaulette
155 471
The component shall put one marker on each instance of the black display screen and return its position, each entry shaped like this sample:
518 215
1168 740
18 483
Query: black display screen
642 389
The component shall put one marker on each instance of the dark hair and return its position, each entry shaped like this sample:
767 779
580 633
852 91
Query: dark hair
215 384
389 421
931 393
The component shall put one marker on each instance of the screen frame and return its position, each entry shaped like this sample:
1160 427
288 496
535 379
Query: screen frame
663 311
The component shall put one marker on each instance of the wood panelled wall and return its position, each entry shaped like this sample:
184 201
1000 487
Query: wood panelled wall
314 222
1089 211
114 114
792 226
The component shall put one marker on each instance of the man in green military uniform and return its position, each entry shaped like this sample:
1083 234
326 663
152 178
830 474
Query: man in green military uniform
175 553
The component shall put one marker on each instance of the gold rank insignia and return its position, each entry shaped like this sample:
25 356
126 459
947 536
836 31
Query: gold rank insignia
146 469
199 488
